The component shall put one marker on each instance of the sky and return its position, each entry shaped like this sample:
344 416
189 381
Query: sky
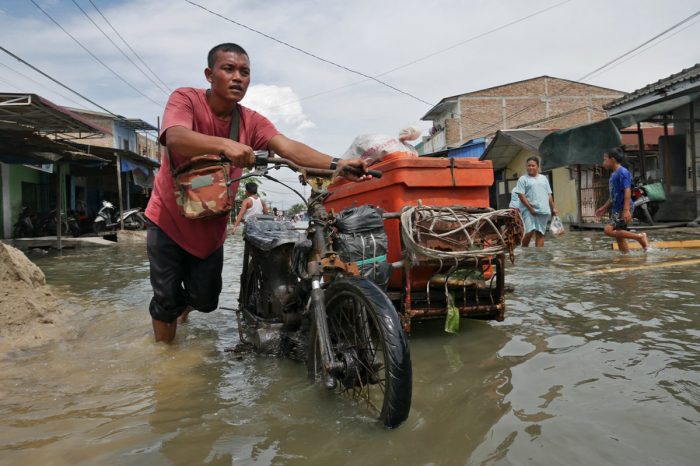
369 36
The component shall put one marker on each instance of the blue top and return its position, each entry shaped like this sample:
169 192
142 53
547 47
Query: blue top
536 190
619 181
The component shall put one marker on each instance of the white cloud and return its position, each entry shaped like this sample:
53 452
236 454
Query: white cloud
280 105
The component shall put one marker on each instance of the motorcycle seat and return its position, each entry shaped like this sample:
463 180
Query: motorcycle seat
266 233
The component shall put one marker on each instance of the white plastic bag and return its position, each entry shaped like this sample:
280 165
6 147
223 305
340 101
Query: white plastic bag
374 147
556 227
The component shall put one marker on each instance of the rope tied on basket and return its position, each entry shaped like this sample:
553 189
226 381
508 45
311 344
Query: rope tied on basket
459 233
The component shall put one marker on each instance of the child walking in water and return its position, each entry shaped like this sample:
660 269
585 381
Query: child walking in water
620 199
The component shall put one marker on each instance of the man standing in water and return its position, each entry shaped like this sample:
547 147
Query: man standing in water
620 199
186 256
252 205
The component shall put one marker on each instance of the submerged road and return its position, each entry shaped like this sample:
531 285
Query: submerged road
597 362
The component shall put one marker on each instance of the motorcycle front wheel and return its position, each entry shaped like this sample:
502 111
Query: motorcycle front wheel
99 227
366 336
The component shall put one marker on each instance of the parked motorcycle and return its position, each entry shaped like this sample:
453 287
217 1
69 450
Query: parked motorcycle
24 227
30 224
108 219
646 200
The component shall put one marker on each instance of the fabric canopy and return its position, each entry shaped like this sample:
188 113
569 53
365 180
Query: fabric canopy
585 144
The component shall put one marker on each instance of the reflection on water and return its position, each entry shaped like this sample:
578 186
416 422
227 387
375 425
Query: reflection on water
586 369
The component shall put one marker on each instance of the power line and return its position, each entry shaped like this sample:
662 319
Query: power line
130 47
39 83
646 49
95 57
587 75
325 60
21 60
119 48
432 54
697 13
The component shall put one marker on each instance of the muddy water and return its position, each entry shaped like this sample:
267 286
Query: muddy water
586 369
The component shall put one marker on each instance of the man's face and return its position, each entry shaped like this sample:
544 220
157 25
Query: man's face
230 75
607 162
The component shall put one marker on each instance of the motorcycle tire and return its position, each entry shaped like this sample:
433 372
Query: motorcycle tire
99 227
137 223
366 334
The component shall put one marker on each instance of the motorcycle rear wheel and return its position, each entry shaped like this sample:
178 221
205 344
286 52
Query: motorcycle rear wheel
367 336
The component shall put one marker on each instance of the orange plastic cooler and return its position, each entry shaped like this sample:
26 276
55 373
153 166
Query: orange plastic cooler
408 179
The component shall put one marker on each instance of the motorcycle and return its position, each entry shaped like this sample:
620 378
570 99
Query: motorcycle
646 200
108 219
299 299
30 224
24 227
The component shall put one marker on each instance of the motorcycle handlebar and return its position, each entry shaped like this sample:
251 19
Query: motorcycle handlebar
265 159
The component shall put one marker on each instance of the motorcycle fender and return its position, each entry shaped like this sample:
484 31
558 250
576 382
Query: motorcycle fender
99 219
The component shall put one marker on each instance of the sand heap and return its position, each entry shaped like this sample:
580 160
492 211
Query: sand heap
28 309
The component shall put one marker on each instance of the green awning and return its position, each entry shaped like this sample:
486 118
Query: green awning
585 144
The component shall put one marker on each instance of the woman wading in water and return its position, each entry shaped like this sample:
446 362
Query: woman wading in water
533 197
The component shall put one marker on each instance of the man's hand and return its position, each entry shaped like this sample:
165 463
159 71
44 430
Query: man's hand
626 215
233 230
239 154
600 211
555 212
348 168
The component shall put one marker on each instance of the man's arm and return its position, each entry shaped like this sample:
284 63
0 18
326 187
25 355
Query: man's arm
244 206
265 209
551 205
602 209
190 143
626 213
305 156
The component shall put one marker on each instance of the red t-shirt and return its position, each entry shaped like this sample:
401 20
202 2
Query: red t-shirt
188 107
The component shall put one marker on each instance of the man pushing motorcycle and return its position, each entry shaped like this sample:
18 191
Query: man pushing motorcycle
185 247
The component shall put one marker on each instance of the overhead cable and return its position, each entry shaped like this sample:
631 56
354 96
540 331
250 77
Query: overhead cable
432 54
591 73
119 48
21 60
130 47
300 50
95 57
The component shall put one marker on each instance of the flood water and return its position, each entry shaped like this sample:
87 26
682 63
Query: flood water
585 370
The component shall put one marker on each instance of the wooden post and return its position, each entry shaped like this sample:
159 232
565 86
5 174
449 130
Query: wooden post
579 208
667 157
642 162
119 187
694 160
59 198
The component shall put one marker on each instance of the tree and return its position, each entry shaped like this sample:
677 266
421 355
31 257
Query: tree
296 209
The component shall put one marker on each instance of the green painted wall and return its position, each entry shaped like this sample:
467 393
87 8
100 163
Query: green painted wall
19 174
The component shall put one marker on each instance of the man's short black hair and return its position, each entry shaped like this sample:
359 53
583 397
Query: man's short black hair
252 188
533 159
225 47
615 153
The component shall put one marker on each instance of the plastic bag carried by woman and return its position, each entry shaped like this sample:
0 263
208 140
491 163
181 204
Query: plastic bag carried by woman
374 147
556 227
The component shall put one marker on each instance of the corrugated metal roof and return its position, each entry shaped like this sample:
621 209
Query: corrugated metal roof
40 114
508 143
691 74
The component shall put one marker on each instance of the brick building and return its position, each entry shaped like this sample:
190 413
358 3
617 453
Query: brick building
542 102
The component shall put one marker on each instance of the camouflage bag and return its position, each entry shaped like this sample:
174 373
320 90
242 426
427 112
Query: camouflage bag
202 183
